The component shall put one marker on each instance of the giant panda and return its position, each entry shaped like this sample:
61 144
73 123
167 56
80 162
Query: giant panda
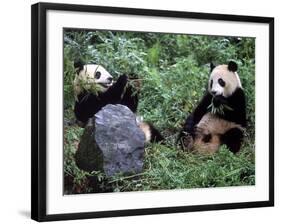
94 88
220 117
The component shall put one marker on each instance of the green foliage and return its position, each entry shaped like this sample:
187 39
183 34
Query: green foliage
170 168
174 71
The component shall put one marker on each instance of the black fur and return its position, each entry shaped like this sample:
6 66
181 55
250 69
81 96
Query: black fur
196 116
232 66
78 66
155 134
233 139
130 98
89 104
212 66
238 104
207 138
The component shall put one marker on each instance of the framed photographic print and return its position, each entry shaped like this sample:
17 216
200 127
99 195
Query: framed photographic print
139 111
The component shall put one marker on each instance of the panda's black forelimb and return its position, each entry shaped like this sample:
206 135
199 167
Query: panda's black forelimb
193 119
233 139
202 108
189 125
122 93
114 93
130 99
219 100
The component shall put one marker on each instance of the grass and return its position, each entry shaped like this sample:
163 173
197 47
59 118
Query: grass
174 72
168 167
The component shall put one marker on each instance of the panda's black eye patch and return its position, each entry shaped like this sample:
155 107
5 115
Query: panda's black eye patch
97 75
211 84
221 82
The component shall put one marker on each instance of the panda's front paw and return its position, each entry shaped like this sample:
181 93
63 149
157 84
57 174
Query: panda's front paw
186 141
218 100
123 79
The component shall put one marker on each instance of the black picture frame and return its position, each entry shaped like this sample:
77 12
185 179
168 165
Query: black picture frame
39 123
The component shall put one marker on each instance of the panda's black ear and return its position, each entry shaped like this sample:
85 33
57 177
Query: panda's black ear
232 66
212 66
78 65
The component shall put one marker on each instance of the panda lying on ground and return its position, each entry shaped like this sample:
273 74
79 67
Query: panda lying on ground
94 88
220 117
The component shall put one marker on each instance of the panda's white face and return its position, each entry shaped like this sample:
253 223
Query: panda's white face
223 81
90 76
97 74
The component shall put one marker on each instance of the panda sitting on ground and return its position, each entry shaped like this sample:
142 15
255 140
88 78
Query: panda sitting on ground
94 88
220 117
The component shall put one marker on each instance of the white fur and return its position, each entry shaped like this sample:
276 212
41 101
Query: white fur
215 126
90 70
86 77
146 130
231 79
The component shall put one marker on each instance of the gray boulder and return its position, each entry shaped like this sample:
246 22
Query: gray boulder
112 142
